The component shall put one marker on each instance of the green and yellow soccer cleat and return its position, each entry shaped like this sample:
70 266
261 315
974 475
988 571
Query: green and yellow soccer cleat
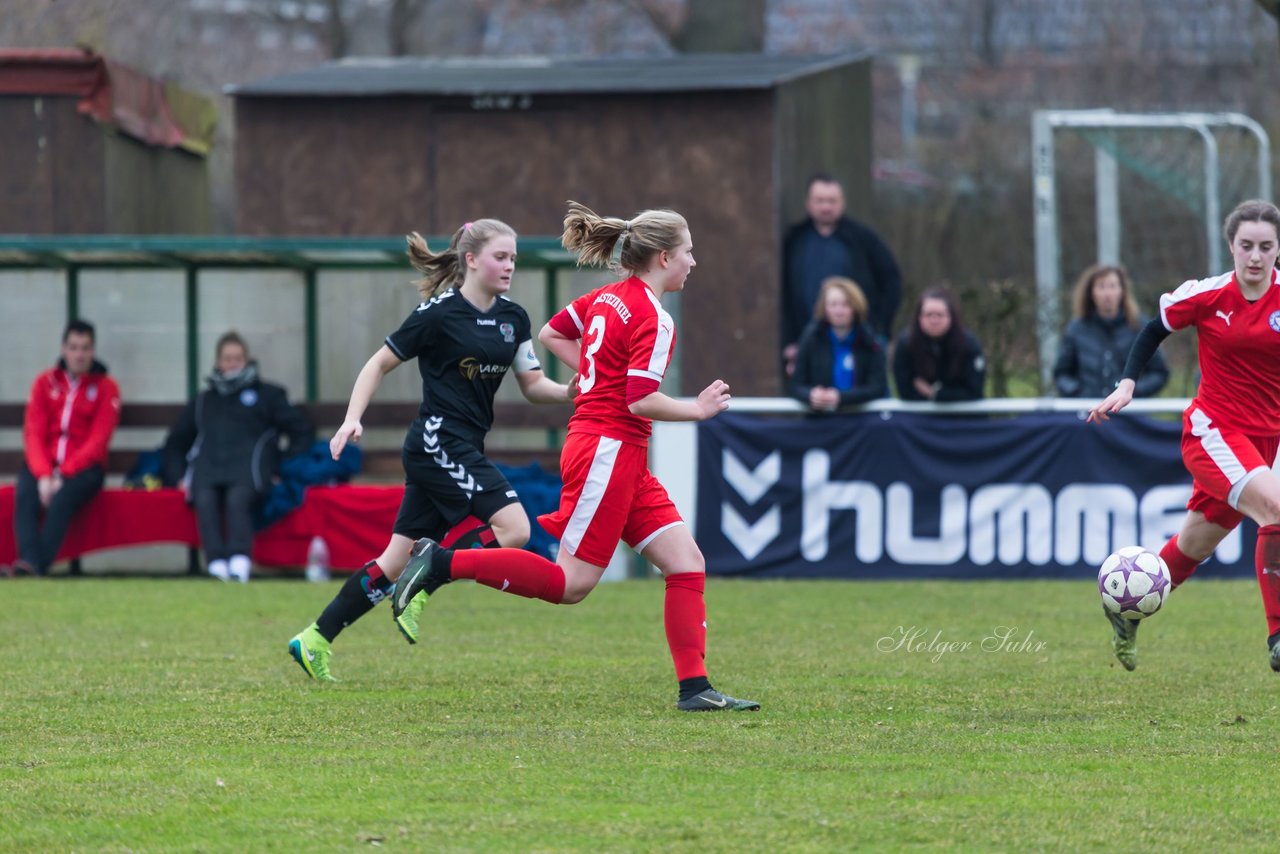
414 578
407 620
312 652
1124 641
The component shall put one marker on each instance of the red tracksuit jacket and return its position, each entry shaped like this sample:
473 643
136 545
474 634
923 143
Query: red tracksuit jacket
68 425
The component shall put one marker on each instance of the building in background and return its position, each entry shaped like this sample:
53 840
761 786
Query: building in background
372 147
93 147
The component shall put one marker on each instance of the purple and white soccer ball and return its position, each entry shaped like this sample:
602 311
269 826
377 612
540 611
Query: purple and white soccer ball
1134 582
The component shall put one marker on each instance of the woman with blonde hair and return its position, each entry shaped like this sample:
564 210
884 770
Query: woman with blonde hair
839 361
1095 343
619 339
466 335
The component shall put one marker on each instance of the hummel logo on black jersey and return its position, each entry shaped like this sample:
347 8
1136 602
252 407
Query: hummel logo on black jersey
486 321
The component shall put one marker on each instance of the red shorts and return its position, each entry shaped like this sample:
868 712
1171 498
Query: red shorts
1221 461
609 495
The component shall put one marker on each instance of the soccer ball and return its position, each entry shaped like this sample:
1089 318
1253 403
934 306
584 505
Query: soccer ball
1134 582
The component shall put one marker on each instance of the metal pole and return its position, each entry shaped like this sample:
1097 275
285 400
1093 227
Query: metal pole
1107 189
312 334
1212 205
1048 276
73 292
193 330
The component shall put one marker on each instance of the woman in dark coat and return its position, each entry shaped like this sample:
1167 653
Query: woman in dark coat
228 442
839 361
936 358
1095 344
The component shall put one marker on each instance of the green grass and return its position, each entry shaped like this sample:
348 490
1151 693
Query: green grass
162 715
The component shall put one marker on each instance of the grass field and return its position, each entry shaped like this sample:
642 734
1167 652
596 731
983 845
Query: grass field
160 715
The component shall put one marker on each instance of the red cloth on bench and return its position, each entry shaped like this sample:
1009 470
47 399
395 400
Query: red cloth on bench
355 521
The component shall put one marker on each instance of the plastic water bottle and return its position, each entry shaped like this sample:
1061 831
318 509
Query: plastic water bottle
318 560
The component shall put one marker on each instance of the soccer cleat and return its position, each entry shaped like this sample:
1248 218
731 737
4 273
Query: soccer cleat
312 652
1125 640
407 622
414 578
1275 657
712 700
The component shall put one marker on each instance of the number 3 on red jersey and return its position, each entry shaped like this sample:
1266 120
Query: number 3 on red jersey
594 341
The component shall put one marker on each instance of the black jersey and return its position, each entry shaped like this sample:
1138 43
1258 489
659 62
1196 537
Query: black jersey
463 353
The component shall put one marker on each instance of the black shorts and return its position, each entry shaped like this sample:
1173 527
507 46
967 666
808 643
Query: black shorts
446 480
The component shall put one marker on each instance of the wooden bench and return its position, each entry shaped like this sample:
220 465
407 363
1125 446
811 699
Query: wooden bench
119 518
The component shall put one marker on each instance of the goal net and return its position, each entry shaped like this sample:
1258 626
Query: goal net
1148 191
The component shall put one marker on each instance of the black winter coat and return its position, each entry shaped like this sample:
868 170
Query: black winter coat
815 365
232 435
1091 359
872 266
962 374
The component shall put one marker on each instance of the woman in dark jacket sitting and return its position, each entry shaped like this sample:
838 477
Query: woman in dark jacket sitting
228 441
936 358
839 362
1097 341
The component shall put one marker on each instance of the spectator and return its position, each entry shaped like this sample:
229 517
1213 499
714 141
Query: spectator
228 441
826 244
1097 340
936 358
839 361
71 413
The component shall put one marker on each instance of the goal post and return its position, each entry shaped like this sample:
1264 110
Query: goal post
1151 158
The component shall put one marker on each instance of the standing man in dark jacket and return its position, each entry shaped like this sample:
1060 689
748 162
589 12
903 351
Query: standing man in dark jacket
826 244
230 436
71 413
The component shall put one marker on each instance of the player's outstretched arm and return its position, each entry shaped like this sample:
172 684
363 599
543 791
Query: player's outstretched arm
370 377
537 387
1113 403
713 400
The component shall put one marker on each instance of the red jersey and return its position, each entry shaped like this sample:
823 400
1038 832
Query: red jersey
68 424
627 342
1239 350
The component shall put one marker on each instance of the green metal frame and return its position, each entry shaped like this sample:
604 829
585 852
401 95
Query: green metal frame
308 255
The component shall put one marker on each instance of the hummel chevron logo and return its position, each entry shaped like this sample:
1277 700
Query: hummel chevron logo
751 539
1226 316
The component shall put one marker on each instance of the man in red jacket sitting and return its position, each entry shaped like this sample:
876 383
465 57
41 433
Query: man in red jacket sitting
71 413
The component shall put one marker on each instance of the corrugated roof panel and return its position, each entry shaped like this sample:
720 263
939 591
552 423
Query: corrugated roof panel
541 75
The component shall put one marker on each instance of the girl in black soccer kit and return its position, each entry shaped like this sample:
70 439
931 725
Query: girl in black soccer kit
466 336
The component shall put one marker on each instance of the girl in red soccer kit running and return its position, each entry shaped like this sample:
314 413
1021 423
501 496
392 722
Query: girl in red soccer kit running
619 339
1231 430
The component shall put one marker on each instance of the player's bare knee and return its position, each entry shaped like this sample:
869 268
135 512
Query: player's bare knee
573 594
513 535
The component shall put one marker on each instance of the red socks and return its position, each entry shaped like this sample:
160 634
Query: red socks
685 617
1268 564
511 570
1180 566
